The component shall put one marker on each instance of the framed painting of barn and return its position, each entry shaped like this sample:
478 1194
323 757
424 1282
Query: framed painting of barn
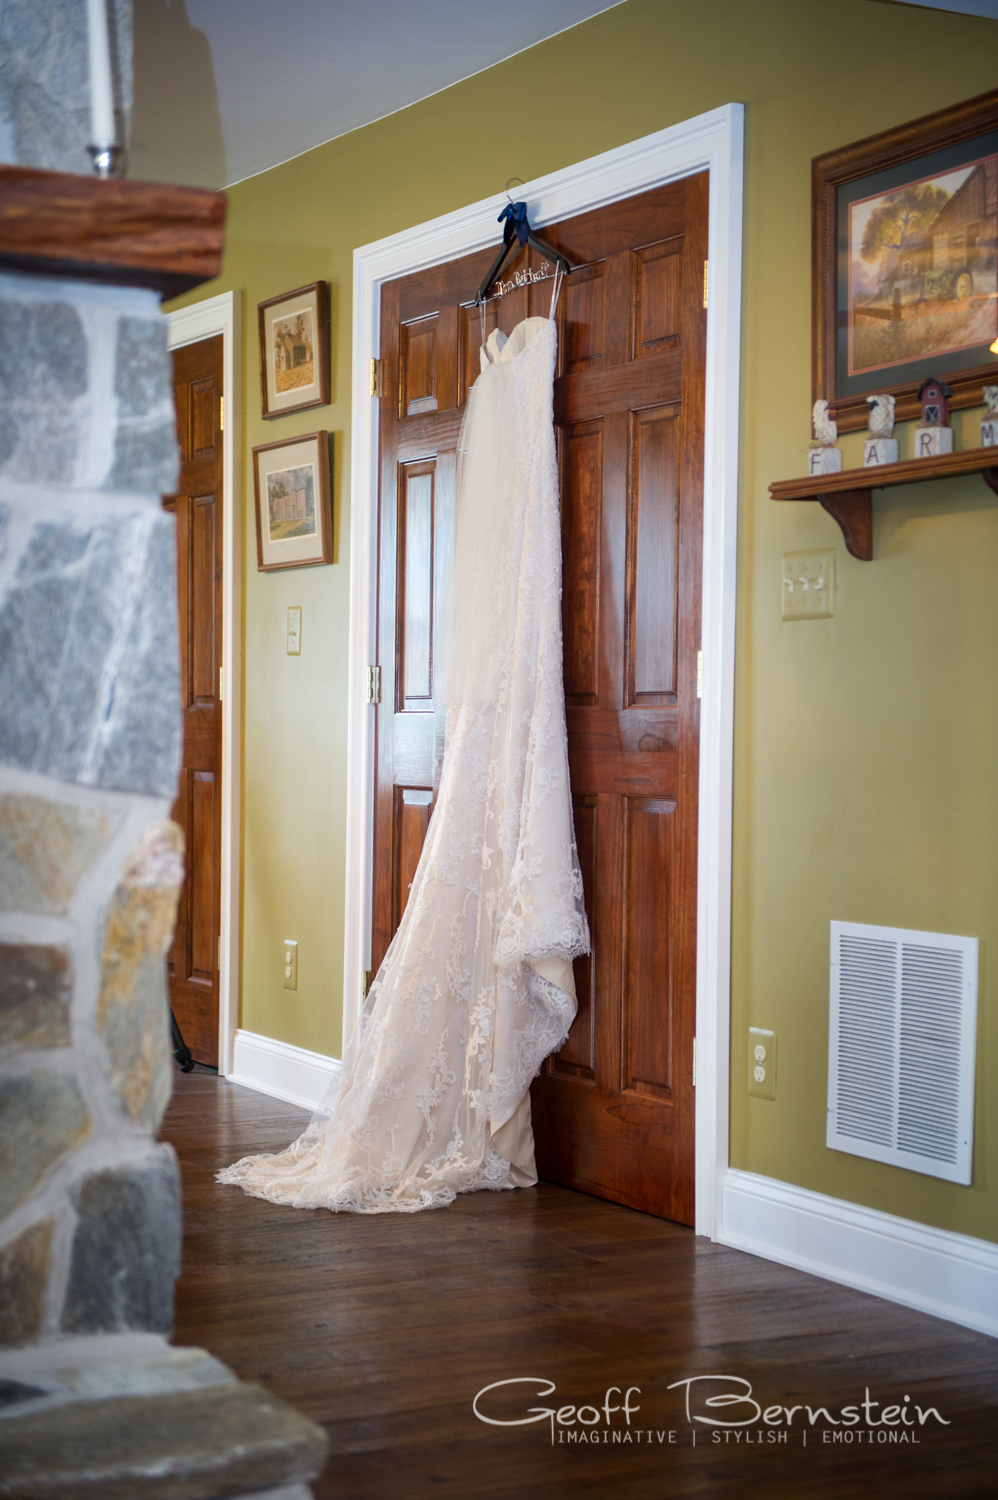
294 350
294 514
905 233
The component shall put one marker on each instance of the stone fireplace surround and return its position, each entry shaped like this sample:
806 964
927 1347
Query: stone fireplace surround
94 1401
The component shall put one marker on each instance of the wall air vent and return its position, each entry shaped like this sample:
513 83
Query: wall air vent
902 1047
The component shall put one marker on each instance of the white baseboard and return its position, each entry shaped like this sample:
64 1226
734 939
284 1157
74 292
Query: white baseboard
284 1072
949 1275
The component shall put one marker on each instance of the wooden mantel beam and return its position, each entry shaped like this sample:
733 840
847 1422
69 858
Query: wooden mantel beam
146 234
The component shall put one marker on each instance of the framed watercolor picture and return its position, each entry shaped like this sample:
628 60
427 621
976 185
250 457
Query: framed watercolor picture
294 514
905 233
294 350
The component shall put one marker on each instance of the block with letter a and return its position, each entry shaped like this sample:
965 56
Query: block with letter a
931 441
825 460
880 451
989 433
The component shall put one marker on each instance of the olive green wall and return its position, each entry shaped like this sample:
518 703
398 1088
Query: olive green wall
865 784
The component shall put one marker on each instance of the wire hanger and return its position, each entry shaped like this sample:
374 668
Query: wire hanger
517 230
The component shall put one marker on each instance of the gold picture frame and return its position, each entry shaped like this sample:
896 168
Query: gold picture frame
294 350
294 513
904 269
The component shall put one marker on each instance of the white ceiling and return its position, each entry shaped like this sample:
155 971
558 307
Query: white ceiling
228 88
987 8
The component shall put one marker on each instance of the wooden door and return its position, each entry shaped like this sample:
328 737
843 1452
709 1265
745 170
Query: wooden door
194 958
613 1112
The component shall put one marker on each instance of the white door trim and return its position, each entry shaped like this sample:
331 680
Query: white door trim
189 325
712 141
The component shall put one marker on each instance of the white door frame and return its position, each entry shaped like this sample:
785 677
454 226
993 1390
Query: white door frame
712 141
189 325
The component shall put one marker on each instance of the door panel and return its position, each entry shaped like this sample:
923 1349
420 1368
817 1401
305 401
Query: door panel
581 512
412 818
613 1111
649 845
193 960
653 552
416 585
658 285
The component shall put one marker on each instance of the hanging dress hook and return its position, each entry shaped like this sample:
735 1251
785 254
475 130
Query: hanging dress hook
559 277
481 320
507 187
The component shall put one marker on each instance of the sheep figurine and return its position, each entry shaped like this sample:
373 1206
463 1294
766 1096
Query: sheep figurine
880 447
881 415
989 427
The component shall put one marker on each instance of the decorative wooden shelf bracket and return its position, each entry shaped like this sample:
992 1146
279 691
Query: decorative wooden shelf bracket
851 501
853 509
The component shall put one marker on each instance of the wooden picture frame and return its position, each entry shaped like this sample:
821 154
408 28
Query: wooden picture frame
903 273
294 350
294 513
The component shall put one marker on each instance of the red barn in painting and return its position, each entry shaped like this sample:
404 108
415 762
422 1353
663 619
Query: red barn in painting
934 395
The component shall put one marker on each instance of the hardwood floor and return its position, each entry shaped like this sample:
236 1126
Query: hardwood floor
385 1328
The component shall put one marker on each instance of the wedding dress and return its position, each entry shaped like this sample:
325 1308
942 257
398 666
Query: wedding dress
476 988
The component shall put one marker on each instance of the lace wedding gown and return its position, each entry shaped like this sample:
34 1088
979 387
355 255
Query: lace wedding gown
476 988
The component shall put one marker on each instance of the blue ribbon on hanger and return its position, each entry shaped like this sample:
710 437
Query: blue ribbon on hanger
517 212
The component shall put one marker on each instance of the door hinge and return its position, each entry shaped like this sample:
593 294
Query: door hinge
221 684
694 1062
220 953
221 413
374 684
377 377
699 674
366 983
706 273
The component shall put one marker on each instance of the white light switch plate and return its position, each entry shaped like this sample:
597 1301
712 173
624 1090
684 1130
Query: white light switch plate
808 585
294 630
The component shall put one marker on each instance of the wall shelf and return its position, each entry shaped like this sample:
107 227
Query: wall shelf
848 495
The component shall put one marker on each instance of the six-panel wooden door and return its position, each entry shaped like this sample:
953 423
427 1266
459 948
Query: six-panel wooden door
613 1112
194 957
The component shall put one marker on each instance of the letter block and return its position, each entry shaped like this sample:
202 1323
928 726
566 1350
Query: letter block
931 441
826 460
880 451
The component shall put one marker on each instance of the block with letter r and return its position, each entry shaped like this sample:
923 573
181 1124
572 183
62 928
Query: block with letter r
931 441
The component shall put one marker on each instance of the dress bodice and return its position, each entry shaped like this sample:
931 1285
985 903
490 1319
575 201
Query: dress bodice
501 348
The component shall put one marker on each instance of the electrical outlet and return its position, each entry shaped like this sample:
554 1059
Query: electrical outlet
290 964
294 630
762 1063
809 585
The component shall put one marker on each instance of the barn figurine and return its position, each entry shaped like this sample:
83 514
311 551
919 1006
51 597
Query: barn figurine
933 435
934 395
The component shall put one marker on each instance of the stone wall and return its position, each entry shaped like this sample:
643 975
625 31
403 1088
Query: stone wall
90 865
45 81
92 1396
93 1399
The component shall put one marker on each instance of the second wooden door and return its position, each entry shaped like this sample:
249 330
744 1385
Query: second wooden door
193 961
